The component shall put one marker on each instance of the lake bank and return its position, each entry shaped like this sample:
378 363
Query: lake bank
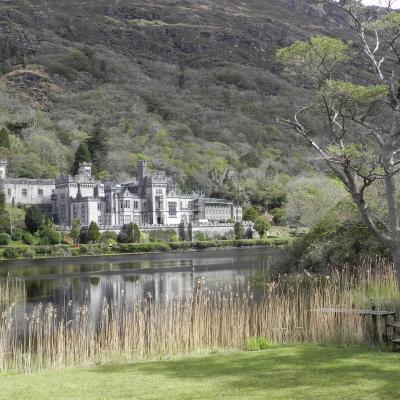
85 250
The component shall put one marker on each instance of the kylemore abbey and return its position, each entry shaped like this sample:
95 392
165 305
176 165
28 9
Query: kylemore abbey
149 200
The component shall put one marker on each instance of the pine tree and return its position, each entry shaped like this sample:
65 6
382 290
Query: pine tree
239 230
2 196
93 233
82 154
130 233
4 138
34 219
98 146
75 232
136 234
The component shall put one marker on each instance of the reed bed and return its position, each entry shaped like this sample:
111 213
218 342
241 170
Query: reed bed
11 290
129 330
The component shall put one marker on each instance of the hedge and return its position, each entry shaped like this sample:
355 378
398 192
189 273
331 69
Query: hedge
64 250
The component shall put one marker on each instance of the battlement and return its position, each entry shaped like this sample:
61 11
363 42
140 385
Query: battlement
29 181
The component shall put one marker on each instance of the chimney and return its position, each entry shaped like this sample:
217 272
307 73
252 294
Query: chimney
141 170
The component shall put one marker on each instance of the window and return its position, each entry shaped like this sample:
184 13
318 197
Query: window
40 192
9 192
24 192
135 204
99 206
127 204
158 191
172 209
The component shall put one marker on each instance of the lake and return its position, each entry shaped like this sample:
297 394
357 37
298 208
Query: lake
90 280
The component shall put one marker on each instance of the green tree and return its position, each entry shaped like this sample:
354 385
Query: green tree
278 214
136 234
250 214
98 146
34 219
4 138
261 225
353 127
130 233
94 234
4 215
82 154
75 232
49 236
239 230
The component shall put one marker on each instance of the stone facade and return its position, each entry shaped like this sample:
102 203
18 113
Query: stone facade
23 191
149 200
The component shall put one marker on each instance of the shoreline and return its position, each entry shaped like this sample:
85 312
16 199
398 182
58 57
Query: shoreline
139 249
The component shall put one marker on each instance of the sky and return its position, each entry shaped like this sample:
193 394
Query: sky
396 3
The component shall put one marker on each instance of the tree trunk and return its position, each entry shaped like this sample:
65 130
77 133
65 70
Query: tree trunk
395 253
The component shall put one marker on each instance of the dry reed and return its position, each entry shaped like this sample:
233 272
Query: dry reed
139 329
11 290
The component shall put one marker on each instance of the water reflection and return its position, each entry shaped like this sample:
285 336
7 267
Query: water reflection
91 280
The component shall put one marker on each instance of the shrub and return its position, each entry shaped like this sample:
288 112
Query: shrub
94 234
261 225
48 235
200 237
12 252
258 343
28 252
28 238
108 238
250 214
278 214
17 234
206 244
163 235
181 245
5 239
141 247
44 250
122 237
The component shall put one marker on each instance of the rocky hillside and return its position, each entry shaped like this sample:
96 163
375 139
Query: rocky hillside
190 85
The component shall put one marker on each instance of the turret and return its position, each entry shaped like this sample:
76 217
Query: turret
3 169
85 169
141 169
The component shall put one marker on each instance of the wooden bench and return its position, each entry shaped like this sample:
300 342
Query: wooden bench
395 343
395 325
373 313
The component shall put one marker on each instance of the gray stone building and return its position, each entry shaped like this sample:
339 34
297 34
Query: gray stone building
23 191
151 199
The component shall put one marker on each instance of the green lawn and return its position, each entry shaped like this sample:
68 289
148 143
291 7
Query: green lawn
299 372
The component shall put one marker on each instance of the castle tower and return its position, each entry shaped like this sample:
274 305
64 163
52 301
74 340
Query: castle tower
3 169
85 169
141 169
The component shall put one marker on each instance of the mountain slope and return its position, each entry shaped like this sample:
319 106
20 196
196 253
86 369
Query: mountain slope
190 85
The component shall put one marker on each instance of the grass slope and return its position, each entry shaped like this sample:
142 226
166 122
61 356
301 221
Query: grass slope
299 372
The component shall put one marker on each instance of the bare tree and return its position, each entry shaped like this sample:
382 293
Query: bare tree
357 135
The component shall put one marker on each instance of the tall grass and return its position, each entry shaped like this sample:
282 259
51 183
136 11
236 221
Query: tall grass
129 330
11 290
